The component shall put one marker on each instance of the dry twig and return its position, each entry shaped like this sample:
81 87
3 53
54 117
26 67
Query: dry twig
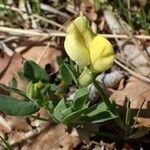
139 76
28 33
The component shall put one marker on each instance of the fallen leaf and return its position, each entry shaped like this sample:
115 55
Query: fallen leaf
4 125
130 50
4 63
18 123
14 66
143 122
15 136
135 58
49 57
55 138
136 91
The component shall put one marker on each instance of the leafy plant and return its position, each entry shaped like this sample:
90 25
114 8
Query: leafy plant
79 110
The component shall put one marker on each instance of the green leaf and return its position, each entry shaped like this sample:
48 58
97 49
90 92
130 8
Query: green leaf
11 89
12 106
68 74
34 72
65 74
97 4
66 112
99 118
57 111
128 113
8 146
140 133
35 6
98 113
96 109
73 117
80 98
51 106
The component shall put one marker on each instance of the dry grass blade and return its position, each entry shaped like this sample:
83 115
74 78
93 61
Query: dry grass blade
49 21
24 15
142 37
53 10
6 49
28 33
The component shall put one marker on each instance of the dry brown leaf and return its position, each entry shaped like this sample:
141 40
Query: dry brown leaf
18 123
4 126
56 138
131 53
42 113
48 58
143 122
15 136
133 56
4 62
136 91
13 68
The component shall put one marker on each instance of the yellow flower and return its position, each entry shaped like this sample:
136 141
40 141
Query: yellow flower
86 48
101 54
78 38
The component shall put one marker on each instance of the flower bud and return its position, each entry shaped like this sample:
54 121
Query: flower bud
34 90
85 78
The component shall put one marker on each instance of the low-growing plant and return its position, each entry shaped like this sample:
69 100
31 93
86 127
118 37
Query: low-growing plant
92 54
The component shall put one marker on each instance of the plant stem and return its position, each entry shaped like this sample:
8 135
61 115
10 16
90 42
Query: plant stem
8 146
103 95
108 103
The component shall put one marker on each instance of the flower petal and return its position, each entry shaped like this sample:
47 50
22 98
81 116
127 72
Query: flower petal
101 54
78 37
103 64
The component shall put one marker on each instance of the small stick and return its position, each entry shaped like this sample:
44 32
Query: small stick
8 39
53 10
144 37
49 21
145 79
28 33
6 49
29 135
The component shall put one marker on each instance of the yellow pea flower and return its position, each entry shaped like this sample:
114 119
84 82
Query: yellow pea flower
86 48
78 38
